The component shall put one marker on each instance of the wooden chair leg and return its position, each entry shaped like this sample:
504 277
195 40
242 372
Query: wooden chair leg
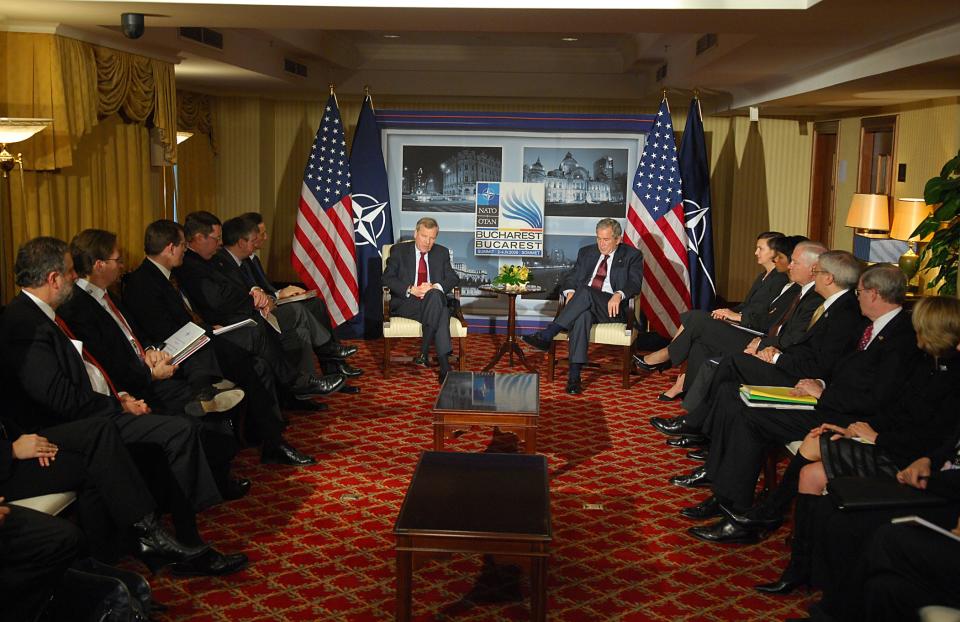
625 363
386 357
551 360
462 363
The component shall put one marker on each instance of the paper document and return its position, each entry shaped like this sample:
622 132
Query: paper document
758 333
920 522
230 327
307 295
776 394
181 344
745 398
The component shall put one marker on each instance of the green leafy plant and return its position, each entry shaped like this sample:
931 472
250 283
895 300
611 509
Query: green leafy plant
512 275
943 250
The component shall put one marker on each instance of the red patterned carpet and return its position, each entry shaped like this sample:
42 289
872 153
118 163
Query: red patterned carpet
320 541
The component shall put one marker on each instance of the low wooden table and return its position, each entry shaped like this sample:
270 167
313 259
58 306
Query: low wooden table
493 504
510 402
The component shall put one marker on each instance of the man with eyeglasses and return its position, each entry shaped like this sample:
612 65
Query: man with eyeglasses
599 288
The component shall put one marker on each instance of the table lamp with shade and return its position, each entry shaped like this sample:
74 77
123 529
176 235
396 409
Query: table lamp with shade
907 216
869 215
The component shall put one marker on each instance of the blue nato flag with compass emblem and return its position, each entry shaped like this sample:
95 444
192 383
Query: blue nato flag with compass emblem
697 211
372 224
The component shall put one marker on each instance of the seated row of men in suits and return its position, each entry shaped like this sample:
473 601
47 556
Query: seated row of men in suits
879 375
95 405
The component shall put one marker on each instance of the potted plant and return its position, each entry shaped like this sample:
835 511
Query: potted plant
943 251
513 278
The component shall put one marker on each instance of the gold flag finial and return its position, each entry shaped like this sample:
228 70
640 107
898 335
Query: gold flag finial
366 91
332 88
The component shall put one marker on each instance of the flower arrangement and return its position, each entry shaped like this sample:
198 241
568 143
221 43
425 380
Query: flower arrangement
513 277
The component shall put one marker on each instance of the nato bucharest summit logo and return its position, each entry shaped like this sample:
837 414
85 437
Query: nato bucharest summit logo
509 219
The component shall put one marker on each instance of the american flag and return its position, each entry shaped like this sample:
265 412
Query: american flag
655 226
323 251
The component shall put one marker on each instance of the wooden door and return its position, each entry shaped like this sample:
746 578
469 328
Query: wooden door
823 183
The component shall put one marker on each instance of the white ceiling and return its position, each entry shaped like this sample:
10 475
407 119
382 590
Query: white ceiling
802 58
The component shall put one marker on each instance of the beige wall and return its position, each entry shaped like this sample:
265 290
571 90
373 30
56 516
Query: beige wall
760 172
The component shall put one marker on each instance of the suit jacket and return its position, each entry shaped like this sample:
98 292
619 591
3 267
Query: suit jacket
755 308
47 383
401 270
260 275
216 288
816 352
626 271
153 302
106 342
796 325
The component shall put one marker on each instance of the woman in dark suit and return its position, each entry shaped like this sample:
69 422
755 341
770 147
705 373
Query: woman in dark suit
773 252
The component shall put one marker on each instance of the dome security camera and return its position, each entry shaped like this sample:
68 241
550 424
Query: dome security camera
132 25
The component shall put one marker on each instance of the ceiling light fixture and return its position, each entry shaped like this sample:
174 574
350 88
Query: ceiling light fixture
391 36
569 39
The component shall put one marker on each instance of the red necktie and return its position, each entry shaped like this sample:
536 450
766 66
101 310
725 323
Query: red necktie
183 301
116 312
69 333
865 339
422 270
601 274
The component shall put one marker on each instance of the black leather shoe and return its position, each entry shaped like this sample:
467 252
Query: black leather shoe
335 351
780 586
695 479
663 397
688 441
753 518
319 385
213 563
536 341
724 532
237 488
574 387
698 454
349 370
285 454
422 360
156 547
708 508
673 426
645 366
349 389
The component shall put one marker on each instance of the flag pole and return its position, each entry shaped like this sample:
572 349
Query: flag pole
366 95
333 93
665 100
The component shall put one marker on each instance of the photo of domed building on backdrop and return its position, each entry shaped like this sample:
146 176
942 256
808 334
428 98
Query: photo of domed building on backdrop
579 182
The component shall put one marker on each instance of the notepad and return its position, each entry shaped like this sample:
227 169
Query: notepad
183 343
307 295
781 395
231 327
920 522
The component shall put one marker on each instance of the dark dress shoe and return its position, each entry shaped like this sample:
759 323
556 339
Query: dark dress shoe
237 488
688 441
319 385
213 563
708 508
335 351
645 366
724 532
574 387
672 426
695 479
285 454
157 548
781 586
663 397
422 360
753 518
349 389
349 370
536 341
698 454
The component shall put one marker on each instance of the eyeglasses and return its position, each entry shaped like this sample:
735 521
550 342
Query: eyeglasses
816 271
857 291
116 259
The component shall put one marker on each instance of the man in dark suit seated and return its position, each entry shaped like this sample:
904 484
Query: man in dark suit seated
420 277
152 294
53 380
598 289
333 354
221 300
860 384
721 341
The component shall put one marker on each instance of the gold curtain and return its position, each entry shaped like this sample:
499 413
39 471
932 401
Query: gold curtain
195 115
196 176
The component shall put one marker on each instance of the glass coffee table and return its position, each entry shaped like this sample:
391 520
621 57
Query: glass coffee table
510 402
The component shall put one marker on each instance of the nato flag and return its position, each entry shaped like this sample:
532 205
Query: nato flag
372 224
695 173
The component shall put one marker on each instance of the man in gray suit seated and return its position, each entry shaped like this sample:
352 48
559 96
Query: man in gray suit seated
420 276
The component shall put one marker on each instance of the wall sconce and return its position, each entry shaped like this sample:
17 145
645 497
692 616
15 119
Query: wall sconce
869 215
907 215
